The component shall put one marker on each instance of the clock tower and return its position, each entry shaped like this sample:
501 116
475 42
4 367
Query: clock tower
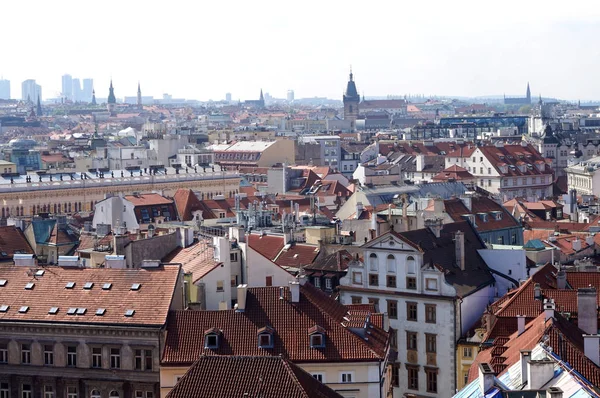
351 101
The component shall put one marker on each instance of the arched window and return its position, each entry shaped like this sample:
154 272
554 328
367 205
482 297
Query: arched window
391 263
373 262
95 394
113 394
411 265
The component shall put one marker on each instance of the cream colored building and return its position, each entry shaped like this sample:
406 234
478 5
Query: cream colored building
7 167
255 153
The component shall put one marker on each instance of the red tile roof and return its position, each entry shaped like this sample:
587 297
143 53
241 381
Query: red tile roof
13 240
290 321
151 302
197 259
267 245
297 255
454 172
254 376
515 155
187 202
481 204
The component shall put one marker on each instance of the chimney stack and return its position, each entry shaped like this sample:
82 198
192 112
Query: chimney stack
486 377
591 347
459 249
561 279
525 357
537 291
539 373
587 310
549 307
521 324
576 244
555 392
295 291
241 297
359 209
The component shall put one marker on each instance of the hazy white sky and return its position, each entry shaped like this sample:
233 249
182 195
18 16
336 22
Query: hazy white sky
207 48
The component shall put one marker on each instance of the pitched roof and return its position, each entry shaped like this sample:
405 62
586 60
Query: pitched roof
267 377
296 255
186 201
197 259
337 262
290 321
481 205
151 301
454 172
148 199
267 245
13 240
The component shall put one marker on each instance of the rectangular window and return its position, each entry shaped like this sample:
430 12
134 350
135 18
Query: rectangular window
374 279
413 377
26 354
411 340
430 313
489 170
220 286
411 311
392 309
149 394
467 352
115 358
4 390
143 360
375 302
346 377
233 257
411 282
48 354
431 284
319 376
71 392
357 278
96 357
356 299
395 378
430 343
48 392
3 353
328 284
234 281
316 282
72 355
466 378
26 391
431 380
391 281
148 360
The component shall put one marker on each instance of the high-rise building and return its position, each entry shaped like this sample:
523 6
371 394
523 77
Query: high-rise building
4 89
88 87
228 97
31 91
67 87
77 92
290 95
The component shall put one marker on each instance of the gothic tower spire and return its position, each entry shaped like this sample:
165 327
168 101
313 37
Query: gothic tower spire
139 97
39 107
112 100
351 102
528 94
93 97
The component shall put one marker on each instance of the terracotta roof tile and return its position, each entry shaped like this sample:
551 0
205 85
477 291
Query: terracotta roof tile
13 240
267 245
197 259
297 255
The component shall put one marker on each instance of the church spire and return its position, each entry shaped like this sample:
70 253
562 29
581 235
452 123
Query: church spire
39 107
112 100
139 97
93 97
528 93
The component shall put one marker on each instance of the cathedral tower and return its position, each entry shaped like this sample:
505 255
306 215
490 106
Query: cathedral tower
112 101
139 97
351 101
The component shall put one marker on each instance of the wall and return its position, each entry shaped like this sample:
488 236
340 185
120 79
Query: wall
154 248
473 307
510 262
282 151
259 267
113 210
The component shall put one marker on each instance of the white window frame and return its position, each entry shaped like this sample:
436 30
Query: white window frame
96 357
72 392
48 391
4 390
347 376
115 359
319 376
26 393
328 284
4 354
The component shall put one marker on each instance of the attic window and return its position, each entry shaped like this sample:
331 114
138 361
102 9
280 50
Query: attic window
4 308
88 285
211 340
29 286
106 286
129 313
136 286
2 282
81 311
317 340
70 285
39 272
100 311
53 311
71 311
24 309
265 337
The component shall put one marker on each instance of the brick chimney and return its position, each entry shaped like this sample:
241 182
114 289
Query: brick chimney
555 392
549 307
591 347
525 357
561 279
587 310
486 377
459 249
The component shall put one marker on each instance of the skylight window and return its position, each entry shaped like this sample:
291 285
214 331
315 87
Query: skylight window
129 313
39 272
29 286
4 307
106 286
71 311
24 309
88 285
70 285
100 311
136 286
2 282
81 311
53 311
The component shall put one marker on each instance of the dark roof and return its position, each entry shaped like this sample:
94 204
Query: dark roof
290 321
337 262
12 240
441 253
480 205
251 376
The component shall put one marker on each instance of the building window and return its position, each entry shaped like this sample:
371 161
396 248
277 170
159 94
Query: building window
233 257
319 376
3 353
317 340
373 279
430 343
356 300
411 311
96 357
316 282
26 354
467 352
391 263
431 380
143 359
411 265
115 358
430 313
395 377
265 340
411 283
391 281
357 278
48 392
393 333
392 309
211 340
373 262
413 377
489 170
72 355
328 284
346 377
375 302
4 390
411 341
431 284
220 286
48 354
113 394
26 391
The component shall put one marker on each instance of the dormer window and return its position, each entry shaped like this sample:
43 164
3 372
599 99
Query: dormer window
316 335
211 338
265 337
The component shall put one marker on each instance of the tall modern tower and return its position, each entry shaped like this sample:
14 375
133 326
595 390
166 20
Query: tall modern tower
67 87
77 92
4 89
112 100
88 88
290 96
30 91
351 101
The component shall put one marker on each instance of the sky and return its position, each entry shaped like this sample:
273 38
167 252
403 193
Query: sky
202 50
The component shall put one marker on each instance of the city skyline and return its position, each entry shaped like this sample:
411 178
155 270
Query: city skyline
393 49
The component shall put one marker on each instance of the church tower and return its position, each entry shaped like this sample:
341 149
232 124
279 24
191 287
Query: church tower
112 101
39 108
93 97
528 94
261 100
139 97
351 101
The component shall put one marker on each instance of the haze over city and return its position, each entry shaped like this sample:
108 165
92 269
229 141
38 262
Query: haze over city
202 50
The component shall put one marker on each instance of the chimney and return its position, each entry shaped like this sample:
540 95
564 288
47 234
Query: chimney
587 310
555 392
561 279
241 298
549 308
359 209
435 226
521 324
525 357
24 260
576 244
537 291
438 206
589 240
115 261
459 249
539 373
467 201
295 291
591 347
486 377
